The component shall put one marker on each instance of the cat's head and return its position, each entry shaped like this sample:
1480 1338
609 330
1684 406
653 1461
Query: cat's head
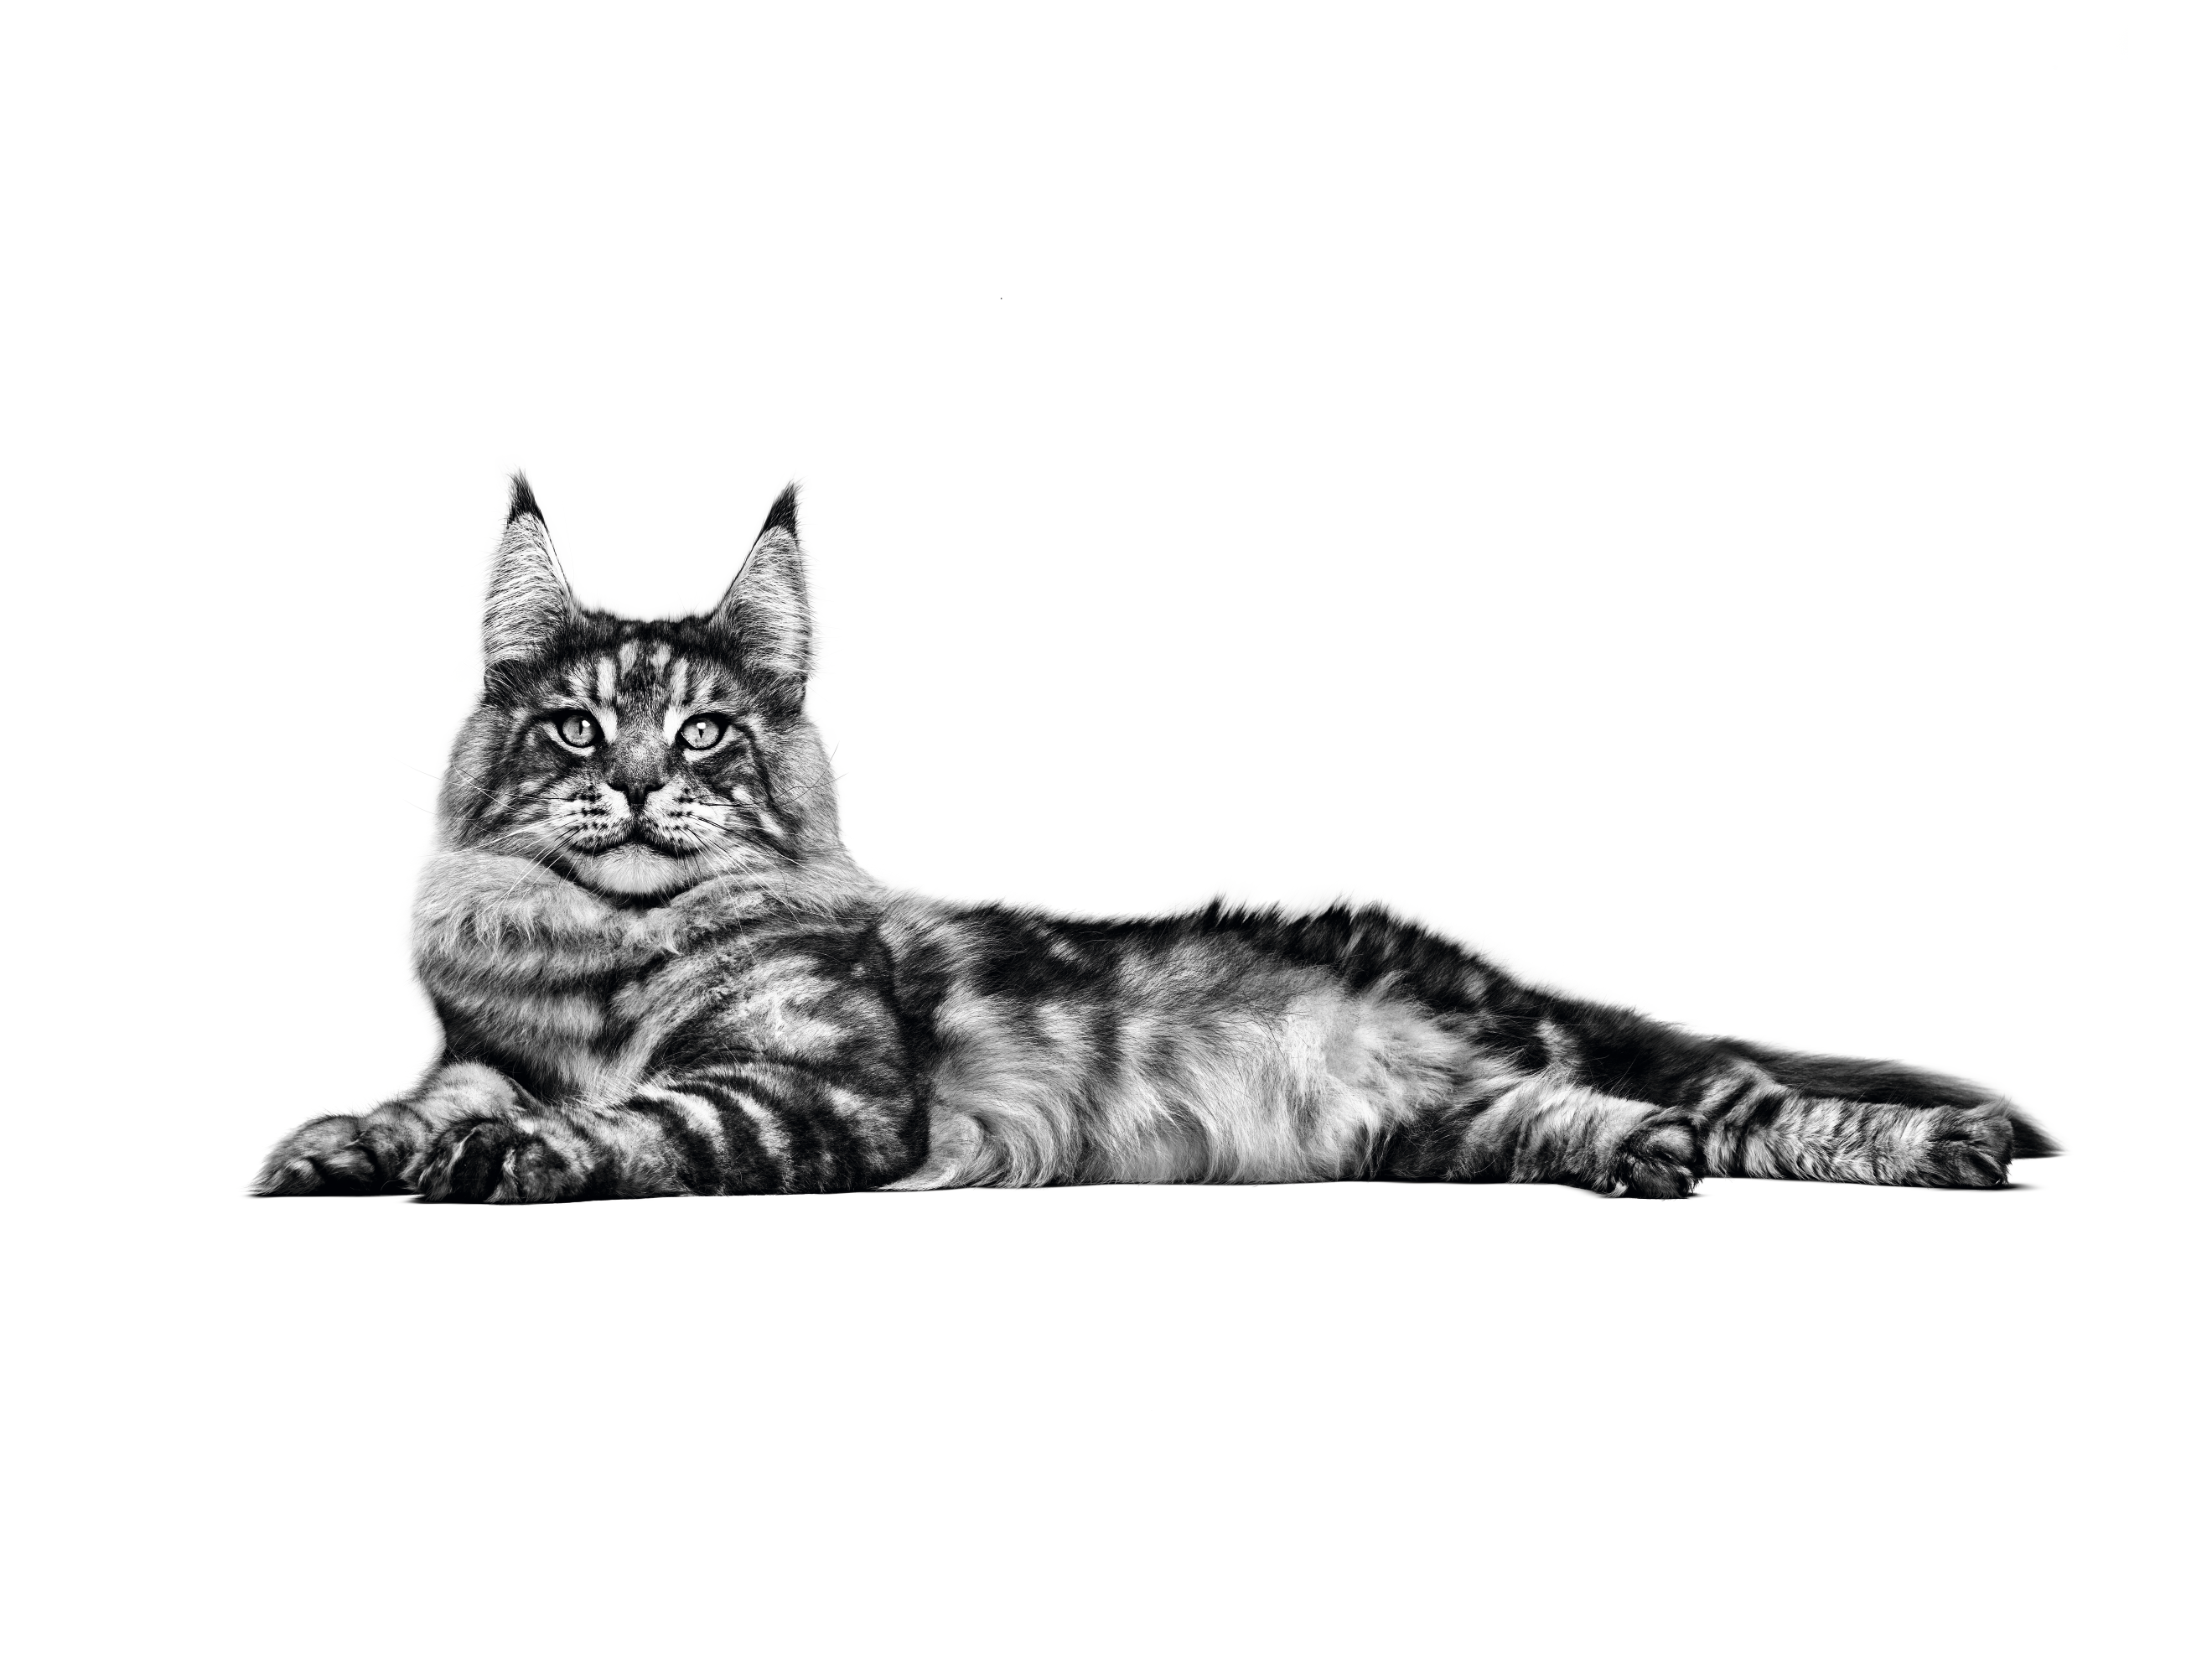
642 759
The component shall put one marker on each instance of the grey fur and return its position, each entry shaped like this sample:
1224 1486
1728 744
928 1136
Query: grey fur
660 972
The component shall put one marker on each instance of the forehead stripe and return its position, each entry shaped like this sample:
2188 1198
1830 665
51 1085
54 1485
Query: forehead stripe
679 705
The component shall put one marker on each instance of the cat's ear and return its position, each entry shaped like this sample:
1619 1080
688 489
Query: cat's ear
765 612
529 604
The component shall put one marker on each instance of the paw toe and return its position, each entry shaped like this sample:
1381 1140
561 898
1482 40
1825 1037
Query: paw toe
1658 1162
1960 1163
1971 1147
324 1156
493 1162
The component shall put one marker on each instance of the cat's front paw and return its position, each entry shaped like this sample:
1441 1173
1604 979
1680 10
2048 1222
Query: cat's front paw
323 1156
497 1161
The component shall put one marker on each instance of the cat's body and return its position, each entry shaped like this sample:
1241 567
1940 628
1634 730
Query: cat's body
658 972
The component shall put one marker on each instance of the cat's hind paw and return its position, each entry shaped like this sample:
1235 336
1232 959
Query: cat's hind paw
1961 1147
1658 1160
323 1156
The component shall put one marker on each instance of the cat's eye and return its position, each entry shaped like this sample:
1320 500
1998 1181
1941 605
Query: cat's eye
576 729
704 732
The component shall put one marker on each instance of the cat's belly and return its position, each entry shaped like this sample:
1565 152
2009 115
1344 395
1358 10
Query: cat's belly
1297 1080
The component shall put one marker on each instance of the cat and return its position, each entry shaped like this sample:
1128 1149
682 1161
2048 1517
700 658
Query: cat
658 972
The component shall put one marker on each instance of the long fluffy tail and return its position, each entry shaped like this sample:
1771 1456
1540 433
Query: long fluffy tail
2029 1139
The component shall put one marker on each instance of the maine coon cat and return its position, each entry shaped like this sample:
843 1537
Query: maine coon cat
660 972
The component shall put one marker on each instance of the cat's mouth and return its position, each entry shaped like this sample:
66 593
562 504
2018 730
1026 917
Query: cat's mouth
636 866
592 839
633 858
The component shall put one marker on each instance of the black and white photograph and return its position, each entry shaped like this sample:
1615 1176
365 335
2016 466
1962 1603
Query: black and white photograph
1192 830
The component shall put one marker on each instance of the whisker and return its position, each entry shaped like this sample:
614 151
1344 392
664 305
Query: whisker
442 777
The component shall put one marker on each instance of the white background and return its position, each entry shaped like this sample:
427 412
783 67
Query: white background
1706 502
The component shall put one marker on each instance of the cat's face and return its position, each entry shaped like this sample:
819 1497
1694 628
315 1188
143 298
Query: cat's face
642 759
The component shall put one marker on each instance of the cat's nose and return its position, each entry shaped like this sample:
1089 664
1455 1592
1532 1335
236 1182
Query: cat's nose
636 778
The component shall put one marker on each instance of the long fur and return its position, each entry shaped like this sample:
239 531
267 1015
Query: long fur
658 971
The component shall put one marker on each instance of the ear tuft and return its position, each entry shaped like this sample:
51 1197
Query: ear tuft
765 612
520 502
784 515
529 603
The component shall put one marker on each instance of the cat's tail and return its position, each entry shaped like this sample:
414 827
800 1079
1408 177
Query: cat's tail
1894 1083
2029 1139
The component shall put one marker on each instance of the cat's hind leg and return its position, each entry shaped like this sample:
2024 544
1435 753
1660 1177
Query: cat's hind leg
1619 1102
1549 1128
1831 1118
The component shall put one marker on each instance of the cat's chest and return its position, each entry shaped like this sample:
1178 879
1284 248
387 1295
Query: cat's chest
567 1037
570 1027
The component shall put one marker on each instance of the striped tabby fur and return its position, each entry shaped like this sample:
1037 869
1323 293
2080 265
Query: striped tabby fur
658 972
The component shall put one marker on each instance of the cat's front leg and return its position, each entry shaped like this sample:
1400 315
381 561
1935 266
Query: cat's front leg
321 1155
381 1151
668 1139
744 1125
537 1158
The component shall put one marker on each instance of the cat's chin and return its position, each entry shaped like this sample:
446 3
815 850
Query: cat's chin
635 872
